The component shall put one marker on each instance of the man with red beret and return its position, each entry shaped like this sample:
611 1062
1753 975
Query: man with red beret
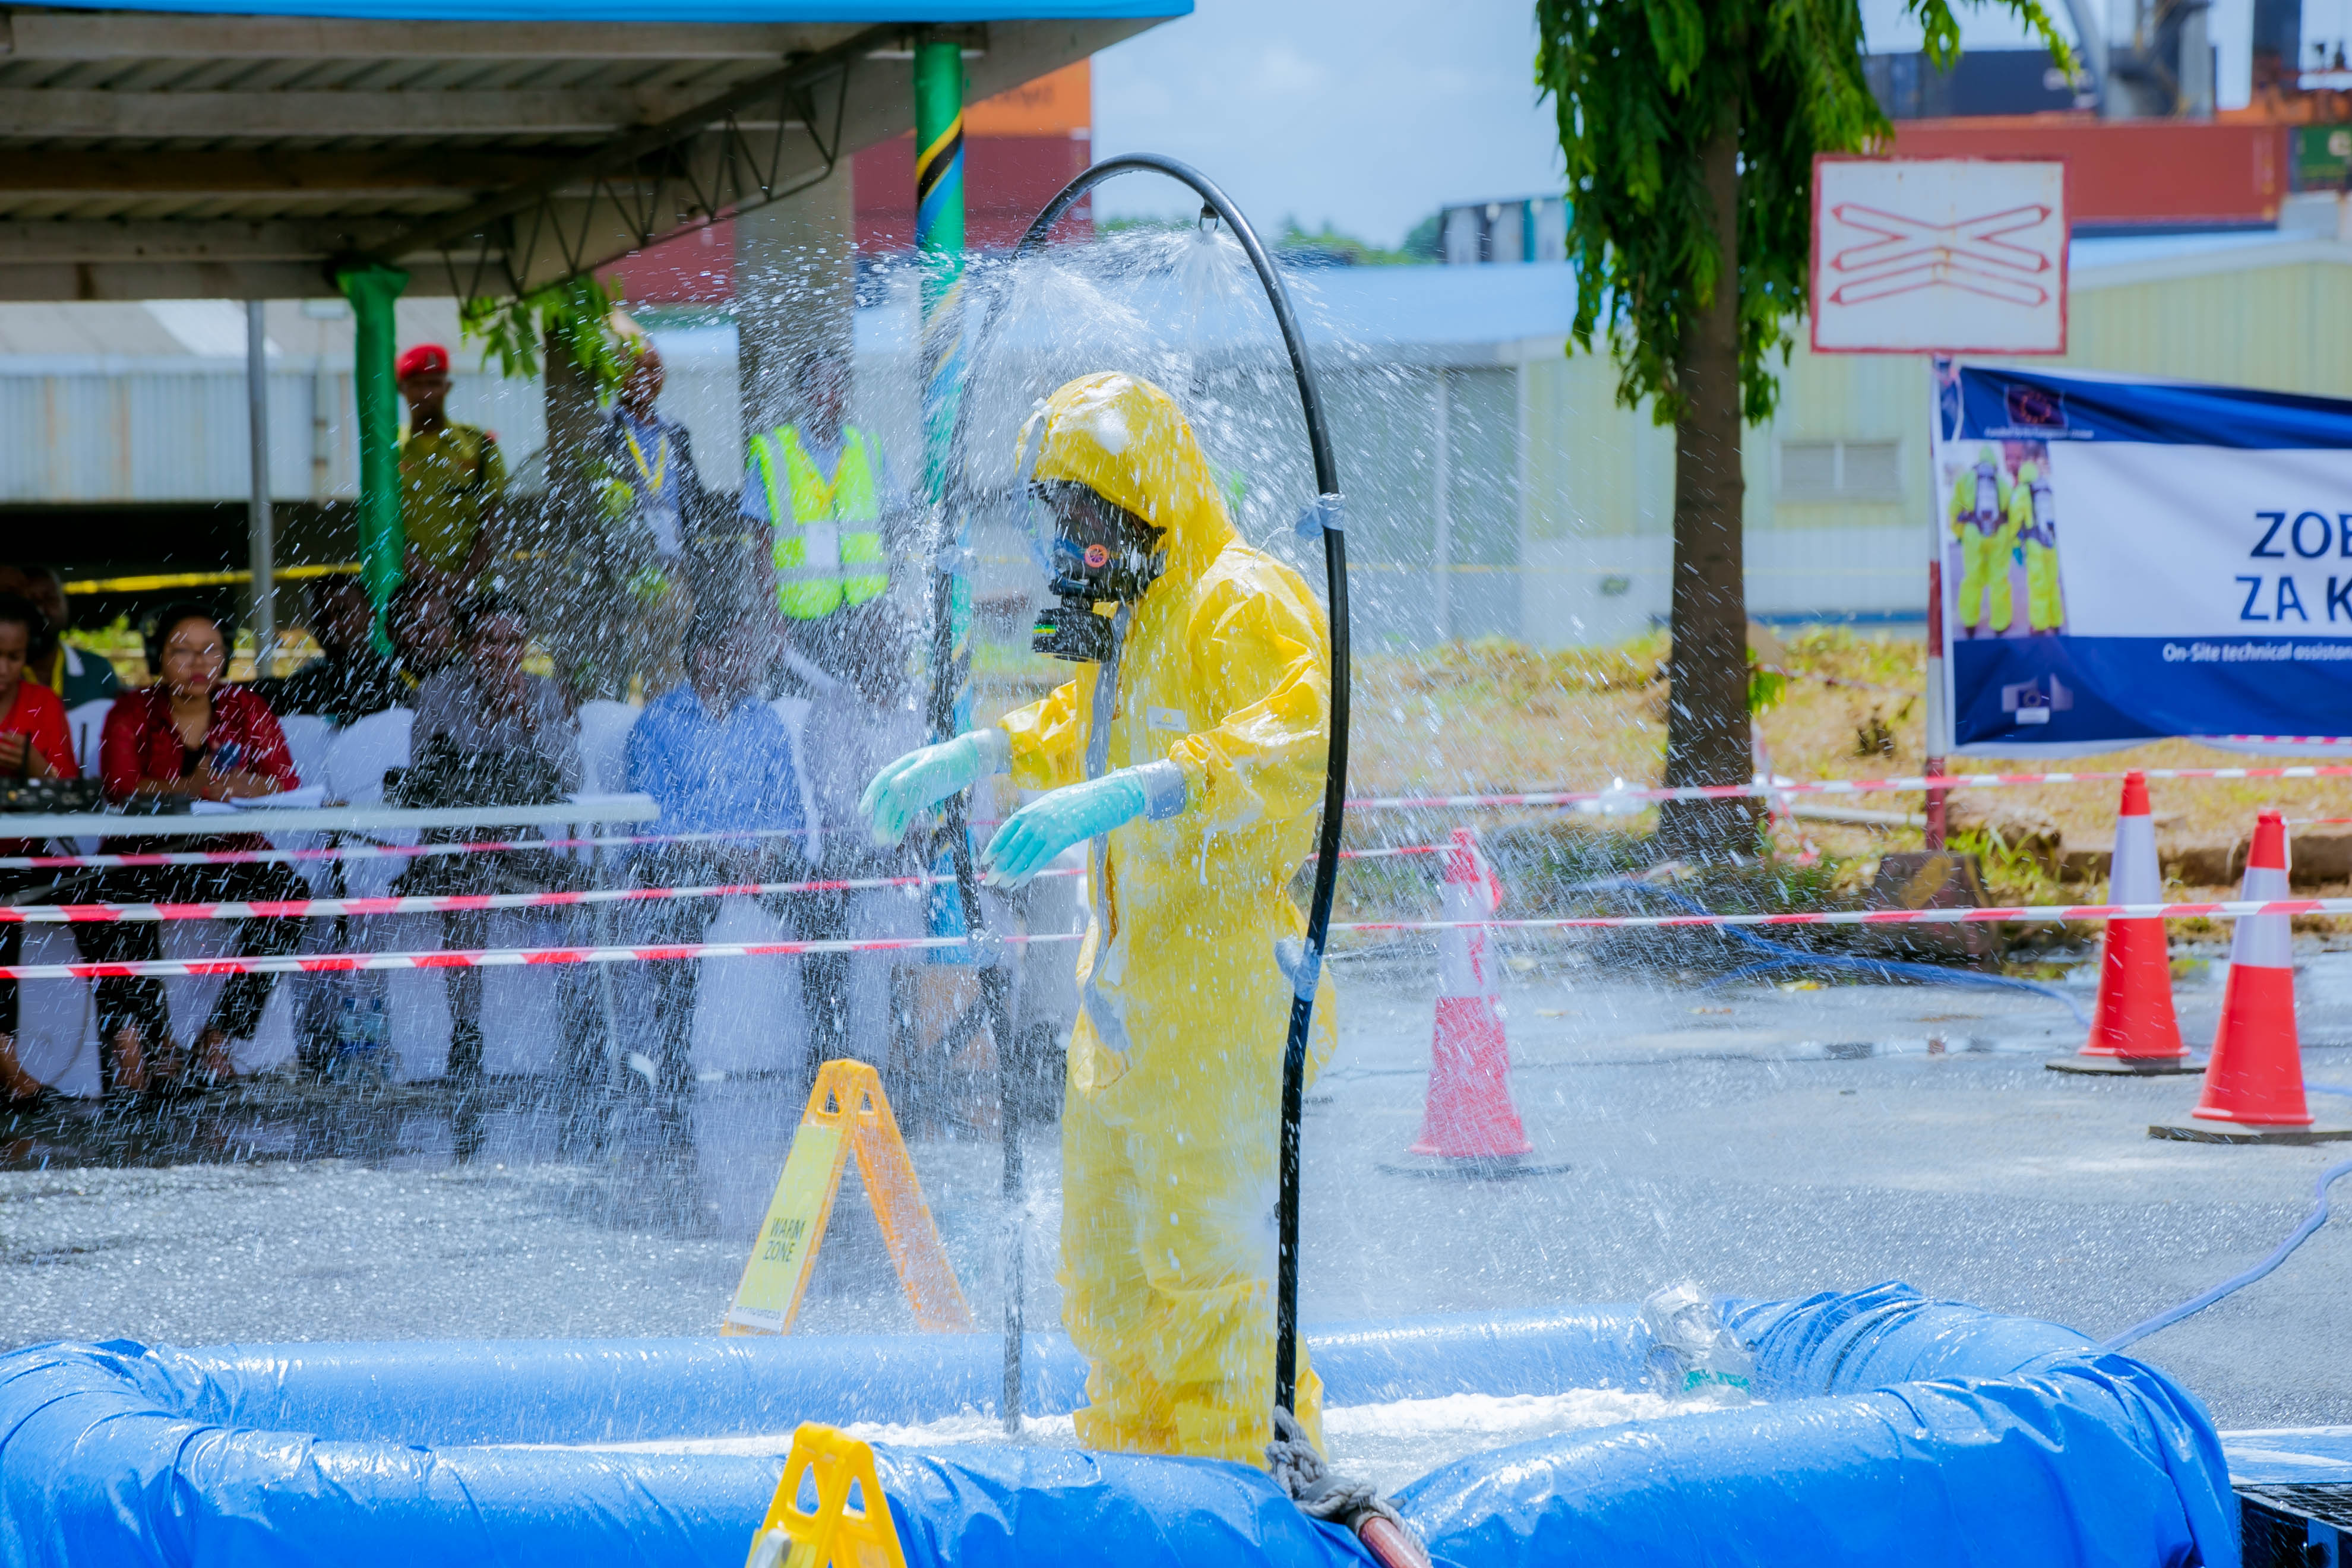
452 478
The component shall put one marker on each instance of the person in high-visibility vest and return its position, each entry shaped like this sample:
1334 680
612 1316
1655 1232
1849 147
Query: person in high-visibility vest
818 486
824 491
2034 518
1982 523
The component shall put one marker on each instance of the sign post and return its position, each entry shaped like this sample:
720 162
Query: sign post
1938 256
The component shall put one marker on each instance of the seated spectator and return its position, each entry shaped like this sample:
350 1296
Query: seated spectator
189 735
486 733
716 758
76 675
33 744
423 631
349 680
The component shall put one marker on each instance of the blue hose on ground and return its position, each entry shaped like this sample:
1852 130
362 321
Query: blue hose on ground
1784 956
2312 1222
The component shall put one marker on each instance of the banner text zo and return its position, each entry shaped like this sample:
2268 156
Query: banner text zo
2128 560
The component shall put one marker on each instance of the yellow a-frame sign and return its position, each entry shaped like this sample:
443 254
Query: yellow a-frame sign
847 1114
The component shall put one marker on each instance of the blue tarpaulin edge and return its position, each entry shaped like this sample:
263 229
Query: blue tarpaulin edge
1895 1429
1931 1431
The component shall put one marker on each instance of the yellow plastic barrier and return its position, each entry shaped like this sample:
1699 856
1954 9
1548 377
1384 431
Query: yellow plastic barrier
847 1114
835 1535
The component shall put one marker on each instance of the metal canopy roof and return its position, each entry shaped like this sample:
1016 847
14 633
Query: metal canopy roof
151 154
854 11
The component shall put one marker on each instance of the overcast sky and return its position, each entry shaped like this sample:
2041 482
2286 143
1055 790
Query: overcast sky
1371 113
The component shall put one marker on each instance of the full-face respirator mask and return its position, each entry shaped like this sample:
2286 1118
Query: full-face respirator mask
1102 554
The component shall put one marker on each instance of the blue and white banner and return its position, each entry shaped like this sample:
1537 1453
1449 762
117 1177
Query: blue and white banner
2123 561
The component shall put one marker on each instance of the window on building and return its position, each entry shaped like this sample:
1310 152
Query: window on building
1840 471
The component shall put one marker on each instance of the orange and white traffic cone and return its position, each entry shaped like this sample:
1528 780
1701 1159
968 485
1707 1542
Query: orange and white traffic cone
1468 1119
2134 1030
2254 1084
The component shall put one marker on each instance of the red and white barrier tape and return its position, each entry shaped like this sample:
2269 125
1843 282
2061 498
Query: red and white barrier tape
1911 784
486 958
369 851
460 903
441 903
497 958
2051 914
421 851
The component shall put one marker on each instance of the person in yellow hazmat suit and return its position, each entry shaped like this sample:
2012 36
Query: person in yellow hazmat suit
1982 523
2033 521
1188 756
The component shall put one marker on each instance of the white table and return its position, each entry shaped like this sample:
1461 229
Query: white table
71 1046
326 819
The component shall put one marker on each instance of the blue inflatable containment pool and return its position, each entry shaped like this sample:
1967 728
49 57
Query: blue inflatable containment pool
1895 1431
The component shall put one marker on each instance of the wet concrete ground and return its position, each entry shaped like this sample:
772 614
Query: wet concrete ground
1761 1140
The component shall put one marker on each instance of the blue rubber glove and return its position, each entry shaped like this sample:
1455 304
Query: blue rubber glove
921 779
1035 834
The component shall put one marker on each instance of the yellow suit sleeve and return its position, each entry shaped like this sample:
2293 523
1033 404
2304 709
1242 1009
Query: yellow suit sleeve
1046 752
1263 660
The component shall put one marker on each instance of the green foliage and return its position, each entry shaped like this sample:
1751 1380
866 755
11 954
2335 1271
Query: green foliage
1425 241
1639 89
2014 874
578 314
1343 249
1132 225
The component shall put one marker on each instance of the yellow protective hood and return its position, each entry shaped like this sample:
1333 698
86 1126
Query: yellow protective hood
1127 441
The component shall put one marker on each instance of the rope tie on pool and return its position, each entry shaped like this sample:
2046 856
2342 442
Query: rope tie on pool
1299 1469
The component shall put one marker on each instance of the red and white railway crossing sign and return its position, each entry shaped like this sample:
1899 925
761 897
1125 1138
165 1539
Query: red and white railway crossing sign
1938 256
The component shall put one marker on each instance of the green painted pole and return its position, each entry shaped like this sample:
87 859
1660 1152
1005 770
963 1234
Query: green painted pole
939 238
373 291
938 241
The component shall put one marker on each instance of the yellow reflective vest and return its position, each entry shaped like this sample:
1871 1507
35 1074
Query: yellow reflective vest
828 548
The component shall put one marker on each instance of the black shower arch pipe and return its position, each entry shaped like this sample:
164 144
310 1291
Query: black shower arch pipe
1327 513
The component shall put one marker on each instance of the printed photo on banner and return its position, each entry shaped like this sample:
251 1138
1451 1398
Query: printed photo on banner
2125 559
2002 560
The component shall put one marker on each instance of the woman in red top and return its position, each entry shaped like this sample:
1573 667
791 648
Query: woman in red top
33 744
189 733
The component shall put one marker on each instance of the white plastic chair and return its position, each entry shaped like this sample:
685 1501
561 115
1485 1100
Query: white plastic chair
356 761
357 758
87 725
794 711
604 746
308 737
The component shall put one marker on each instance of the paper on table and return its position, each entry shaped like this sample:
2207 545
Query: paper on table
308 795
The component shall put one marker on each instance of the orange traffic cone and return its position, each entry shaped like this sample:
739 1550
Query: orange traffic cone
1468 1123
2134 1030
2254 1084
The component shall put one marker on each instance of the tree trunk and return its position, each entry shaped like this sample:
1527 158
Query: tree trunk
1706 715
577 607
573 417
